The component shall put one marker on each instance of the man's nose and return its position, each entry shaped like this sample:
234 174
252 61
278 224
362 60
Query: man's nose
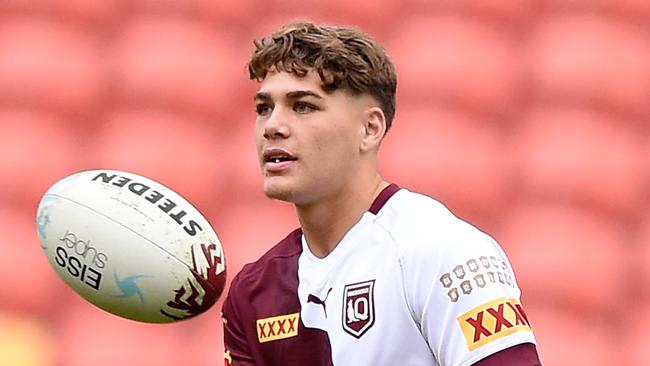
276 125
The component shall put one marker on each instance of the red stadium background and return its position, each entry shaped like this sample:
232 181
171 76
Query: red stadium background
530 119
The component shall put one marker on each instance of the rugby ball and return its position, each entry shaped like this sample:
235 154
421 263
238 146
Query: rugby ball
131 246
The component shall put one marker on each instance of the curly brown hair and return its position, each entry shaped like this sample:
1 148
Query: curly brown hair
343 57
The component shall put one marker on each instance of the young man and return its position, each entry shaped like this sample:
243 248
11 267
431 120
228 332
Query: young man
376 274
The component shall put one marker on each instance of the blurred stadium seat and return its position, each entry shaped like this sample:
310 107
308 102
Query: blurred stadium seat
245 180
590 58
638 331
25 341
38 150
567 257
232 12
449 156
72 10
453 60
581 156
645 158
29 285
568 338
504 10
201 339
631 9
370 15
50 64
641 282
248 230
184 154
91 336
174 62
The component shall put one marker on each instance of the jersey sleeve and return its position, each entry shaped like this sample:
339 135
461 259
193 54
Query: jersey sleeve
236 349
463 294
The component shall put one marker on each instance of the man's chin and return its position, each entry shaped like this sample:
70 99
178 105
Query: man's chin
277 191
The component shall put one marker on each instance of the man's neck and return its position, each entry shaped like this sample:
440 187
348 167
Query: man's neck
326 222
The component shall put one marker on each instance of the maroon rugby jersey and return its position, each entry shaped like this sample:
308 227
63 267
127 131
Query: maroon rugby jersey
379 299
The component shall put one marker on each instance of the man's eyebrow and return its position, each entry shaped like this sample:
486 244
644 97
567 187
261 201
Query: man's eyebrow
296 94
262 96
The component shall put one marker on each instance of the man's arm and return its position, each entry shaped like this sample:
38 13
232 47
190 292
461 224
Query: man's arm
236 349
521 354
465 298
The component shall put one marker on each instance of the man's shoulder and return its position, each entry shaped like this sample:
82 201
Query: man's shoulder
415 213
286 250
253 292
421 224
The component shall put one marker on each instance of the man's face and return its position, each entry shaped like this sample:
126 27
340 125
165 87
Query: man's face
307 139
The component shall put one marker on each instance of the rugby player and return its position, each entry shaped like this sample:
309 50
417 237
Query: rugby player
376 274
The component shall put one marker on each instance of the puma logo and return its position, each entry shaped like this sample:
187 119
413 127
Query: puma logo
316 300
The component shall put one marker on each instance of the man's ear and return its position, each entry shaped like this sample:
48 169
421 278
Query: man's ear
374 128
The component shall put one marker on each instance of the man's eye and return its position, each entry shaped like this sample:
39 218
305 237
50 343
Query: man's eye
263 109
302 107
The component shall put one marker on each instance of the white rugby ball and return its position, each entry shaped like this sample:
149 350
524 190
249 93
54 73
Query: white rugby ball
131 246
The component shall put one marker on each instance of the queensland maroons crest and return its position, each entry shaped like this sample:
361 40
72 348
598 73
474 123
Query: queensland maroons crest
359 308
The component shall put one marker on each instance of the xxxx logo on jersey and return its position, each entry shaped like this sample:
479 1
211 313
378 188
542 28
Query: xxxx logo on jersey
492 321
277 327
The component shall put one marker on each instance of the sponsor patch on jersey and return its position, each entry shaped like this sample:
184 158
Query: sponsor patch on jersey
358 308
492 321
277 327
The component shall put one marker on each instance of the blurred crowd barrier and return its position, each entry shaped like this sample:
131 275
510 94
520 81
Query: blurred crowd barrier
528 118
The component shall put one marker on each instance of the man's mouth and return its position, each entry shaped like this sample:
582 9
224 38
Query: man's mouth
277 156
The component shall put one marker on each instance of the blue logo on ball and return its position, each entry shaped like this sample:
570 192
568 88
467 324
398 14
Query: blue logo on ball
129 287
43 218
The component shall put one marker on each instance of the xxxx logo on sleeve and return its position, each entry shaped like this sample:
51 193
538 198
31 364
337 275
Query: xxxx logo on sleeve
492 321
277 327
